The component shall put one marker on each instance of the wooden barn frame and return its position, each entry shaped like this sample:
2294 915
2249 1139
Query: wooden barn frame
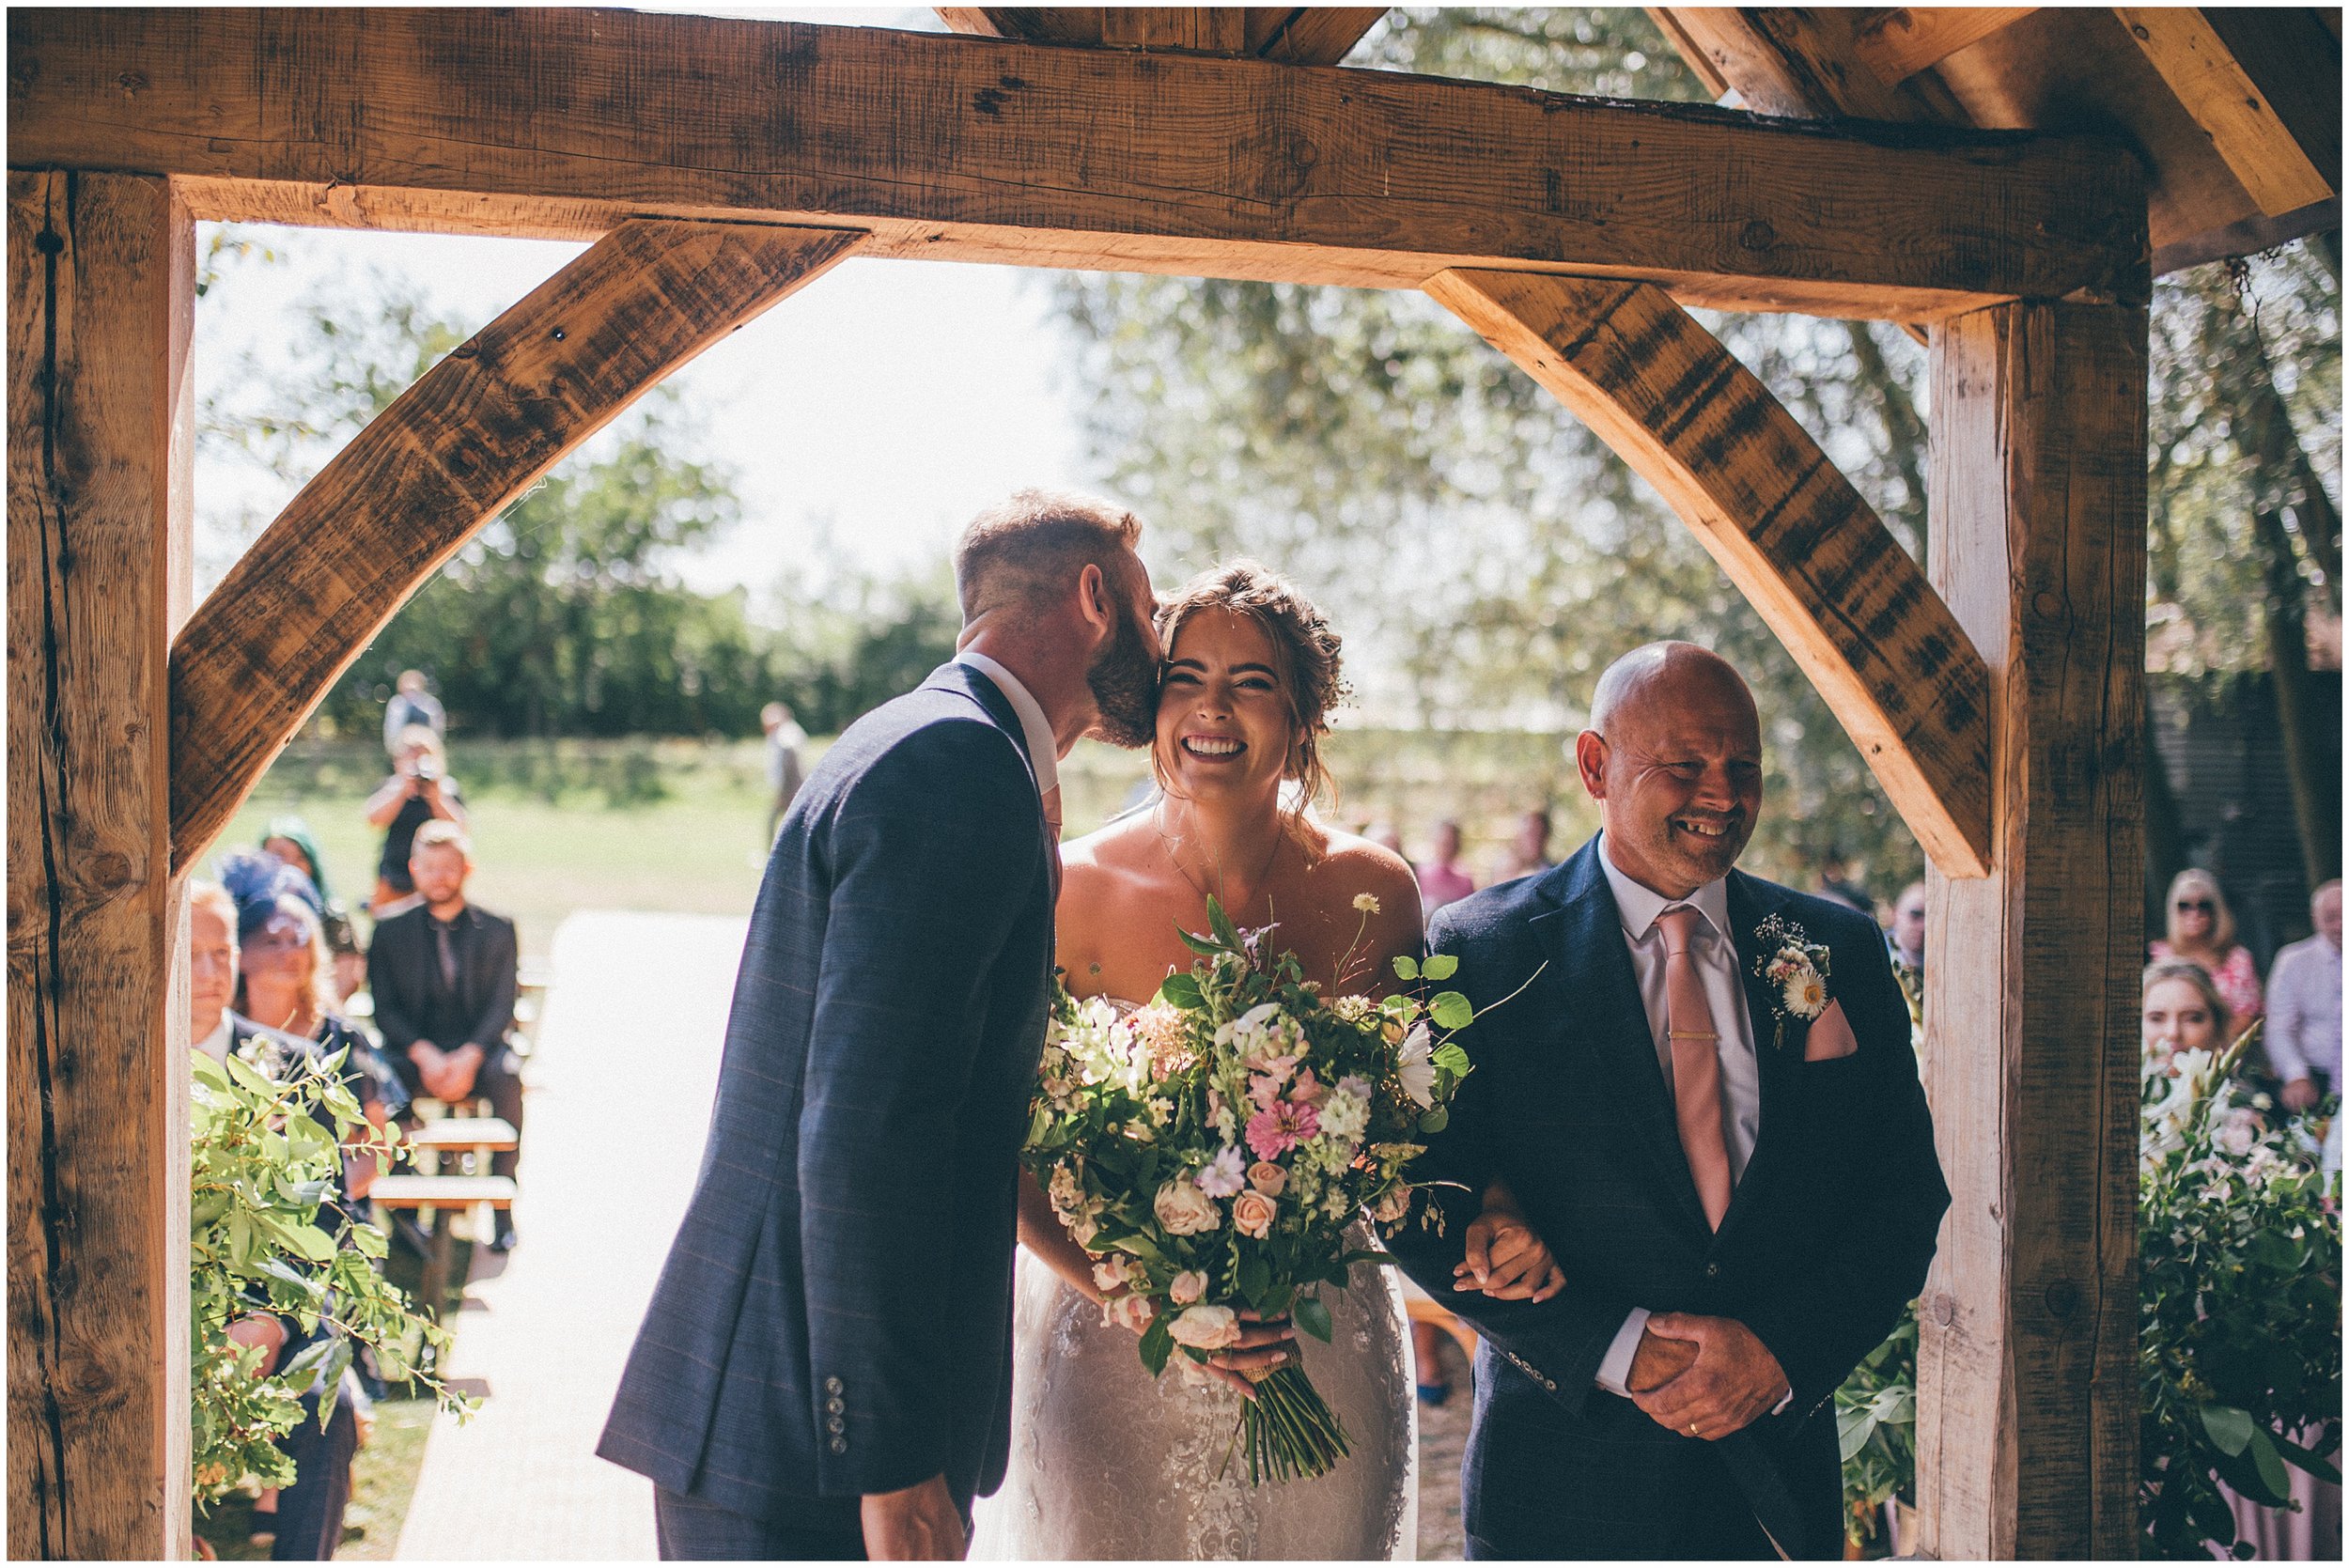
719 165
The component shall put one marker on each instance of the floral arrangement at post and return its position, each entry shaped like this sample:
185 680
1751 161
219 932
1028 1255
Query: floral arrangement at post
1211 1149
2239 1299
264 1165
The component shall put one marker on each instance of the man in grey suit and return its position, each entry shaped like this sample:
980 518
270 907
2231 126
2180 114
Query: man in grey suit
824 1370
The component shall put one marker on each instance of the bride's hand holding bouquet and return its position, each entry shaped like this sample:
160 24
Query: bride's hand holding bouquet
1209 1150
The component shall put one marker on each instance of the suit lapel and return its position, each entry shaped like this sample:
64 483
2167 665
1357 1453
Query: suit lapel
1750 904
1596 982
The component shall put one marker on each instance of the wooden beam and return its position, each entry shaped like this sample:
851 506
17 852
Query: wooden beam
2027 1385
454 450
102 289
2247 238
1299 35
1785 61
1786 526
1897 43
561 122
2232 108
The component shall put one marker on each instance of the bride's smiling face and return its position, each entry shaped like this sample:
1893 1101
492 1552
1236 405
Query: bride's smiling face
1223 719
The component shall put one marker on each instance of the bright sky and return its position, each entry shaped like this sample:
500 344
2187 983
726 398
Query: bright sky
888 400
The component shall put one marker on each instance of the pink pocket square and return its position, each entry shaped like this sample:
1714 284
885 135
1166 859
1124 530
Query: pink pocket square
1830 1038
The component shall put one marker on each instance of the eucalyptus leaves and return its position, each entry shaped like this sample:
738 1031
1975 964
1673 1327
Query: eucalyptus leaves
266 1168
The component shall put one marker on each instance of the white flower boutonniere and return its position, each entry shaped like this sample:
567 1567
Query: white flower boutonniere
1796 969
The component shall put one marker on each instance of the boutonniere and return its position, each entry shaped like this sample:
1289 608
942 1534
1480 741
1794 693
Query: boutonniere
1796 969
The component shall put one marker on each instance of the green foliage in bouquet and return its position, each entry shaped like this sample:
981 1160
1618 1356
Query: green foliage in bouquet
263 1164
1210 1151
2239 1299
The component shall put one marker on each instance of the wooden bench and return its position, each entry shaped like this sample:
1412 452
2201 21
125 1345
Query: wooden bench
441 1195
459 1135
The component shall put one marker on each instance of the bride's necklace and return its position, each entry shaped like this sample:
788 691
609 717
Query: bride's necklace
1176 860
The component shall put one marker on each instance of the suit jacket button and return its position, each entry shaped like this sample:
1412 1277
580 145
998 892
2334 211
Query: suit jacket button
840 1445
832 1385
1712 1271
835 1405
837 1425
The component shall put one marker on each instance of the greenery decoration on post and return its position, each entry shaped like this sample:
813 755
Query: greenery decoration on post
2239 1296
264 1161
2239 1302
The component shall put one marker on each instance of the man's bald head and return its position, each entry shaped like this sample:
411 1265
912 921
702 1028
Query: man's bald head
1661 674
1674 757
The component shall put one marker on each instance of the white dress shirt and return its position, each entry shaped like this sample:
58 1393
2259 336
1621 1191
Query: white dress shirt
1714 949
1043 749
216 1043
2303 1012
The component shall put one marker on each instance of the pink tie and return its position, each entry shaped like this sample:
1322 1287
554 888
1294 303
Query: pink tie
1696 1063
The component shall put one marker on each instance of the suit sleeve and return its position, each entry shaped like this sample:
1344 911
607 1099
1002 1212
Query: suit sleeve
387 976
1561 1343
934 854
497 1014
1831 1308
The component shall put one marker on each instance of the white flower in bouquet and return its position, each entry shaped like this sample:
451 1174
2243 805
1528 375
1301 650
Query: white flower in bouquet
1111 1274
1206 1328
1415 1066
1252 1214
1223 1176
1345 1111
1184 1210
1186 1287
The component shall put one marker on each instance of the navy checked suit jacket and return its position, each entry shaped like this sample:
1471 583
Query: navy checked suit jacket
834 1318
1826 1238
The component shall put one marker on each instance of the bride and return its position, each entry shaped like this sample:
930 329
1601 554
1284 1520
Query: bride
1107 1463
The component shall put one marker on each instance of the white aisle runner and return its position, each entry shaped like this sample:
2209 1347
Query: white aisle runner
619 1096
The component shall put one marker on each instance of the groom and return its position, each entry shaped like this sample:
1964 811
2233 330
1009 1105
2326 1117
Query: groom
1737 1177
825 1368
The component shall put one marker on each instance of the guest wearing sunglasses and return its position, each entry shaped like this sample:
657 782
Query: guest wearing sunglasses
2202 931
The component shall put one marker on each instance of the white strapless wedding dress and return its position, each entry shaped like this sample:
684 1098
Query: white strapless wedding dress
1109 1464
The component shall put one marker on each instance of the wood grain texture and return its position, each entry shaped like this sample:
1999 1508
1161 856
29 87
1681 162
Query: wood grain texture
1788 61
2027 1431
102 277
1828 578
454 450
2232 108
1897 43
1299 35
984 150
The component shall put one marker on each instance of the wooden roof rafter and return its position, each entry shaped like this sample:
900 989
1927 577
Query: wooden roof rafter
560 124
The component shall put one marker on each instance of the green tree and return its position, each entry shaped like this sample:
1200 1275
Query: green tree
564 615
851 638
1470 535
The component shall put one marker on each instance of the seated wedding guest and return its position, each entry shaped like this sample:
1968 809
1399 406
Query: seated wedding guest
1528 850
1442 879
290 840
2182 1011
419 791
283 986
309 1518
2201 930
444 975
2303 1038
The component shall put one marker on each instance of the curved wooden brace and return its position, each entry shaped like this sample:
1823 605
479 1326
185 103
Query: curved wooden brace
1785 525
475 432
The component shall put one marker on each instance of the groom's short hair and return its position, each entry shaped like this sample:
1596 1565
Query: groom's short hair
1027 549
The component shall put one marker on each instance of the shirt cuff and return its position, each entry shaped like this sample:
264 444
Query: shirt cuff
1615 1371
1783 1400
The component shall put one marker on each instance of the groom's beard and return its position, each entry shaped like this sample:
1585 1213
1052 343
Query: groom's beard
1124 680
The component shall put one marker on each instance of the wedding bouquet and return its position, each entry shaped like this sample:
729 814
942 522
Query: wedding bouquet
1210 1150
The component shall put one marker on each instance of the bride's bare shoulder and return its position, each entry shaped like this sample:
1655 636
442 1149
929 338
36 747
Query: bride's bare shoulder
1365 867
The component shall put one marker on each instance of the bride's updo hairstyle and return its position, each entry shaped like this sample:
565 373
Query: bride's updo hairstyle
1305 656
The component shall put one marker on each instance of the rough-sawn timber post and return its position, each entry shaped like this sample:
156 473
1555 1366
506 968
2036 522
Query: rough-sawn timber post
101 290
2026 1384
